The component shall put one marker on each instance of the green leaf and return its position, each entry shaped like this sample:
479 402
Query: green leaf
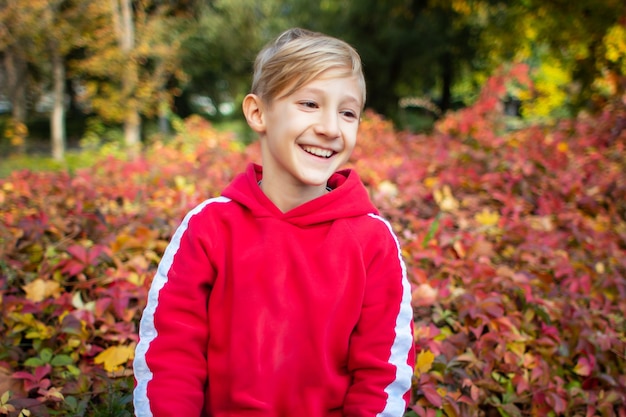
434 226
46 355
73 369
72 402
61 360
34 362
5 397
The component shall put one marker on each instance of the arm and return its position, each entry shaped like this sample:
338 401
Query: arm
170 360
382 354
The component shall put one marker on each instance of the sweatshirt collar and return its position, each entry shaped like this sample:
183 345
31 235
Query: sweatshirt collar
349 198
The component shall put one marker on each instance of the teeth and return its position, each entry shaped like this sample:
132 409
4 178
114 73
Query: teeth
324 153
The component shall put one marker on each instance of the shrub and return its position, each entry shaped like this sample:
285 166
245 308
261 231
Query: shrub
515 242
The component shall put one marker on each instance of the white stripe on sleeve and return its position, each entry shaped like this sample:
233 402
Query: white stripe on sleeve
147 331
402 343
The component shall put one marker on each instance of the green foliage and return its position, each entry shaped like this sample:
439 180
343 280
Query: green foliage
440 50
73 160
514 242
549 99
223 41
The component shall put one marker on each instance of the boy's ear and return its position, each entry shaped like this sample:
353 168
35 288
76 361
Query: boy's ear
253 110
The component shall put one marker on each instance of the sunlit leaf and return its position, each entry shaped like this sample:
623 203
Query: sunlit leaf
40 289
487 218
5 397
77 302
445 199
584 366
113 357
424 362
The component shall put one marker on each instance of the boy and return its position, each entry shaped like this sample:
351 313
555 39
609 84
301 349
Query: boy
286 296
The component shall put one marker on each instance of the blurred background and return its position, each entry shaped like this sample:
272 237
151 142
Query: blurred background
76 74
494 142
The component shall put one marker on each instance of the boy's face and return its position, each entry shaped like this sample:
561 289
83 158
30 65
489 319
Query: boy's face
310 133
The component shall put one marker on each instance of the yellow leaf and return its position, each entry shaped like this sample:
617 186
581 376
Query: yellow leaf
135 278
424 362
445 200
39 331
77 302
113 357
459 249
599 267
54 394
39 290
388 189
5 397
487 217
450 411
431 182
5 409
182 185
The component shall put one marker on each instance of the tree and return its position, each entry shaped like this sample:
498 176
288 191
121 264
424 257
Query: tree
447 48
14 44
131 57
60 19
407 47
41 34
219 53
124 29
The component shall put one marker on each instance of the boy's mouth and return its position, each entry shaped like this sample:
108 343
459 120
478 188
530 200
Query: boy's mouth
322 153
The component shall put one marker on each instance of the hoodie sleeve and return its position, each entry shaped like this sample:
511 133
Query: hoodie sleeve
170 360
382 356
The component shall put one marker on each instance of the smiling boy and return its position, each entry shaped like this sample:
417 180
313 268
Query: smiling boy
287 295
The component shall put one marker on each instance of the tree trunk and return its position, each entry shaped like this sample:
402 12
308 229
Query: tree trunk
128 28
15 67
57 118
132 123
447 77
164 123
132 132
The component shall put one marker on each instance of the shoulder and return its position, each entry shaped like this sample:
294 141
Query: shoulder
205 214
374 233
207 207
372 224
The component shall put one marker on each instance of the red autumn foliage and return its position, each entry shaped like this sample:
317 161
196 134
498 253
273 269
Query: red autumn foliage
515 241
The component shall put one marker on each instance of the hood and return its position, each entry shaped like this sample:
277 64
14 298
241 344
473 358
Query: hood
349 198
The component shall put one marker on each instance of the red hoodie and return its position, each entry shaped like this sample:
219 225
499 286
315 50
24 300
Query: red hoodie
255 312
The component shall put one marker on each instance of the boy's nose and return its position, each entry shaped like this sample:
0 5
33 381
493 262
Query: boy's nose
328 125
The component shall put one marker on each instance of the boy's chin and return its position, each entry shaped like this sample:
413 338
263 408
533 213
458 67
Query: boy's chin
319 180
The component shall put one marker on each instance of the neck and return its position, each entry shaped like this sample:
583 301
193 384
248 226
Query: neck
288 198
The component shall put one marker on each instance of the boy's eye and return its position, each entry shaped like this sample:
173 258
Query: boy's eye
350 114
309 104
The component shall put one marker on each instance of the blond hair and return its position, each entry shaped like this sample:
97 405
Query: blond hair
298 56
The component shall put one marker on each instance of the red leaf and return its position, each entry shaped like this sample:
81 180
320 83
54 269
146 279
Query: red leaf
42 371
79 252
557 403
24 375
419 410
72 267
87 256
430 392
492 306
584 366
